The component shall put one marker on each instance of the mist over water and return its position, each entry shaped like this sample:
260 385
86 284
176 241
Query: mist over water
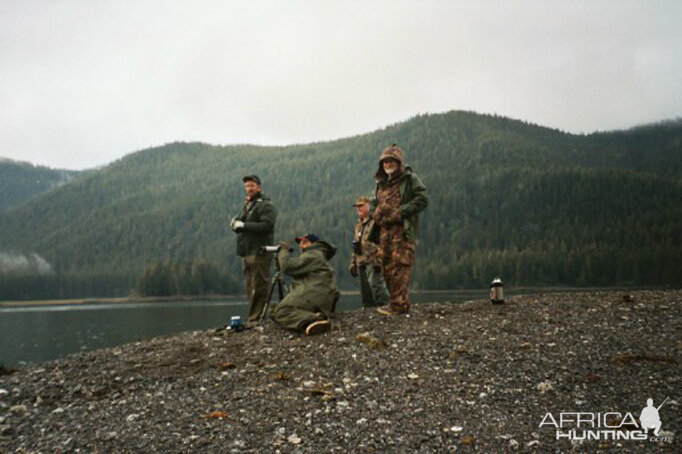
24 264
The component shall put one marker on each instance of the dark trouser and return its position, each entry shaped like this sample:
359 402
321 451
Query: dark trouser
372 287
257 277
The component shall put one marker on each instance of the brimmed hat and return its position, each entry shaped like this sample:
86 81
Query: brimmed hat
363 199
253 178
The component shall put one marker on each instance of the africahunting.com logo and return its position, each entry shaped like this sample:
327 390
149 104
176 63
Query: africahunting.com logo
612 425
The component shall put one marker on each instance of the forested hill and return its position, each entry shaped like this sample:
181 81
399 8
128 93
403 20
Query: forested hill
21 181
531 204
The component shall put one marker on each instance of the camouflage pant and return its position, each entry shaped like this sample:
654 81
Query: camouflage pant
257 277
398 257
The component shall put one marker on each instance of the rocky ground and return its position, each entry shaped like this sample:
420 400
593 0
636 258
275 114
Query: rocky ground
450 377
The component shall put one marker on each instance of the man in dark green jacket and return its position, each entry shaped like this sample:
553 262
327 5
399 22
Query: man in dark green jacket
255 228
313 292
399 198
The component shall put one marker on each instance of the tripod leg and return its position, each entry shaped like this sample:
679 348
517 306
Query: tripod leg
264 315
280 288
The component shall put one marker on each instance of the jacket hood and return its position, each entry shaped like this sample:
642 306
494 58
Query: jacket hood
328 249
394 152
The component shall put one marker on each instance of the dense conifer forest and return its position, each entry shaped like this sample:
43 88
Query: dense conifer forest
533 205
21 181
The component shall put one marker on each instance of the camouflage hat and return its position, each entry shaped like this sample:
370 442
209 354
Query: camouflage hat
363 199
393 152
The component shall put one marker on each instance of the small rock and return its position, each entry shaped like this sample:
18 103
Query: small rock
468 440
532 443
456 428
3 392
544 386
361 421
308 383
58 410
513 444
294 439
132 417
412 376
20 410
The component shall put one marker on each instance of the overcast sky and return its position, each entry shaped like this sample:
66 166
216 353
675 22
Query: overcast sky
84 82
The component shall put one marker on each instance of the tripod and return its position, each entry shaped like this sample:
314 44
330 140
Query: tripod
277 281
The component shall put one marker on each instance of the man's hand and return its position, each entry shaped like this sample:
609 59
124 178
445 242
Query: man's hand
353 269
387 216
284 245
392 216
236 225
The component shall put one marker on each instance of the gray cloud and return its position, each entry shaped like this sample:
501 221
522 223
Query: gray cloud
82 83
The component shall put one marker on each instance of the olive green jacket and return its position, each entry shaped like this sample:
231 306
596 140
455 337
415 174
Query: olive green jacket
314 280
259 217
413 200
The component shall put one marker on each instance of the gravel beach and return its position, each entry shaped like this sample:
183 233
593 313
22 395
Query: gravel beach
449 377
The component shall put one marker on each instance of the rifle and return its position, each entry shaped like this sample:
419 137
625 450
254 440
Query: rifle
666 400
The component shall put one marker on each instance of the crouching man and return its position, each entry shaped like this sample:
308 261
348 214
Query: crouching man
314 292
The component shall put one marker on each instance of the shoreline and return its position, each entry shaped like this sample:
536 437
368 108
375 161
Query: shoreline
512 291
447 377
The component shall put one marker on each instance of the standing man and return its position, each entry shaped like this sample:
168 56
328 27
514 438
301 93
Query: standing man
399 196
314 292
365 261
255 227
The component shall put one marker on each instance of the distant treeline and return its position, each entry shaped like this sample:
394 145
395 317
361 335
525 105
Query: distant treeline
59 286
186 278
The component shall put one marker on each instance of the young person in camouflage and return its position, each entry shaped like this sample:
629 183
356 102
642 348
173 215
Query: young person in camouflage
255 227
399 197
314 292
365 261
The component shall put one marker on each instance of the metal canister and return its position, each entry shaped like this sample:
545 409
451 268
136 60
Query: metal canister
496 291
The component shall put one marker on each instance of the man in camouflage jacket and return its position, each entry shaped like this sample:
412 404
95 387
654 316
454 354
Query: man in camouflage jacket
365 261
399 198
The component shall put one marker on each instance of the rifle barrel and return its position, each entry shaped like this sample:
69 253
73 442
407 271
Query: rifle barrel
666 400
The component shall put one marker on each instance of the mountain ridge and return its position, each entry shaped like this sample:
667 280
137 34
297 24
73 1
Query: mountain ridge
488 178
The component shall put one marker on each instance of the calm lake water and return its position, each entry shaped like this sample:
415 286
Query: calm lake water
33 334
